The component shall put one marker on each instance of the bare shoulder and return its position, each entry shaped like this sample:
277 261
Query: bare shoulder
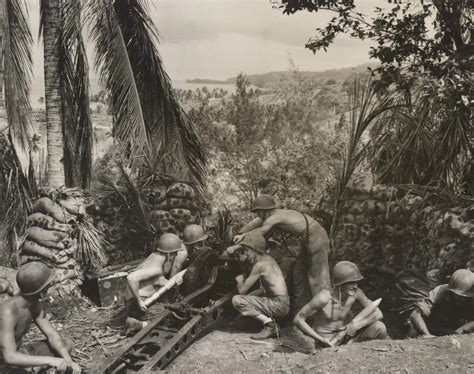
322 297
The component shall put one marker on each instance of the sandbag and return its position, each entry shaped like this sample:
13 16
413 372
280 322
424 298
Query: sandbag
160 215
183 214
361 183
181 190
166 226
47 238
73 206
382 192
31 248
374 206
352 207
47 206
176 203
47 223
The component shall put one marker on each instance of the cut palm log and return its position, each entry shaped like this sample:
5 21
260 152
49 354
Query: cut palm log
48 238
47 223
47 206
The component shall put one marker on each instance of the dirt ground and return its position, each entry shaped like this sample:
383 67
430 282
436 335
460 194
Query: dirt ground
227 352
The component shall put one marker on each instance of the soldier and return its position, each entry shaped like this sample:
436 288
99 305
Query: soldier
152 274
332 311
311 271
275 303
449 308
194 238
16 315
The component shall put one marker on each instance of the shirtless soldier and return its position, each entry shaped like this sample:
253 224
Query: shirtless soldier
157 268
448 309
16 315
275 303
333 322
311 272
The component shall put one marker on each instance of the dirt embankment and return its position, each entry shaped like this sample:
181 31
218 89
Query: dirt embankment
226 352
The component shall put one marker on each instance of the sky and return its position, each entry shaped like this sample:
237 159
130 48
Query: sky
218 39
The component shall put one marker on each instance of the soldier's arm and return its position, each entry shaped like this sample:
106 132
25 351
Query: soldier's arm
244 286
357 322
419 323
318 302
55 341
178 262
9 350
135 277
252 225
467 328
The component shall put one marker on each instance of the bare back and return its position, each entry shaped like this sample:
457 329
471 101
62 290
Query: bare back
271 276
21 313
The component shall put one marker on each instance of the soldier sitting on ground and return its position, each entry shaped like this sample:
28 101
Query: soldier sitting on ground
449 308
332 311
311 271
154 273
275 303
16 315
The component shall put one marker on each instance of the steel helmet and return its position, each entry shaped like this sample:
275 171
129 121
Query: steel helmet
193 234
263 202
169 243
345 272
462 283
34 277
255 241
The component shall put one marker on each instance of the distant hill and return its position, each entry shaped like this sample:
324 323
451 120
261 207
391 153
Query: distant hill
274 79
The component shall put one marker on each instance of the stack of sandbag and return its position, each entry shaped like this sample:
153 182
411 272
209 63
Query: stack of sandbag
176 210
49 239
394 227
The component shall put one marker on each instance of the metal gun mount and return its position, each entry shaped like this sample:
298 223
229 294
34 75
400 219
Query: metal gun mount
181 323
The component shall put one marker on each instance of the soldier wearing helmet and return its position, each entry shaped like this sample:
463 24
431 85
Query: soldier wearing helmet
311 271
331 311
448 309
16 315
194 238
275 304
158 267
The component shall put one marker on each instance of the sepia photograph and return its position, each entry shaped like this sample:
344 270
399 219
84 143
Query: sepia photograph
236 186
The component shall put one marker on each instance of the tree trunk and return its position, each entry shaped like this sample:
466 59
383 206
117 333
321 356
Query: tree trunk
2 20
54 120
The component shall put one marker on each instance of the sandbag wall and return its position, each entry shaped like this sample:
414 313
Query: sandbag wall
395 229
49 240
170 208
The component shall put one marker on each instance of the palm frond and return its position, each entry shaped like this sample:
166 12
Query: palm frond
173 136
78 131
16 193
18 70
365 110
117 76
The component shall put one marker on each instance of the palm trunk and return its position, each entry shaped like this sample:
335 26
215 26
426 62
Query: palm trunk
54 120
2 20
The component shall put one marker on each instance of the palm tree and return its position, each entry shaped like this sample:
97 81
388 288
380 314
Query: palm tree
51 20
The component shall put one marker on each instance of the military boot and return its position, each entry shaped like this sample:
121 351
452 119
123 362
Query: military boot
269 331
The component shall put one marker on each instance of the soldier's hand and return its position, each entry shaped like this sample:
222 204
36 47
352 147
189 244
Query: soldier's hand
76 369
142 306
351 329
239 279
59 364
238 238
428 336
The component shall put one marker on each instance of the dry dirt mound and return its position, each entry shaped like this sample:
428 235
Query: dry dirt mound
226 352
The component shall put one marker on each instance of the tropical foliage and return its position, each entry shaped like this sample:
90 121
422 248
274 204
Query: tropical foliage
425 54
